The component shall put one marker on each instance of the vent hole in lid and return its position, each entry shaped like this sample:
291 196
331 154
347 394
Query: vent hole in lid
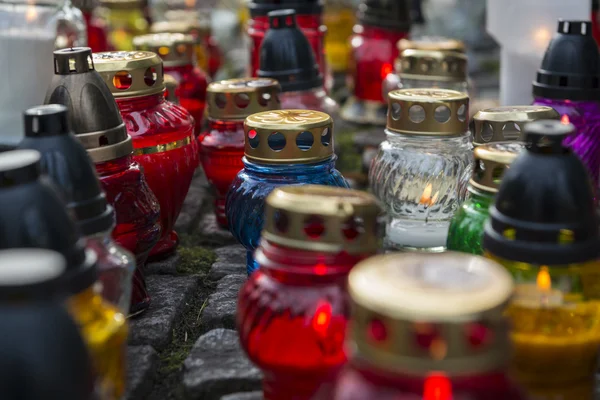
242 100
281 221
150 76
396 111
122 80
305 140
462 113
563 81
497 175
442 114
314 226
253 138
511 131
487 132
353 227
416 114
276 141
221 100
103 141
326 137
264 99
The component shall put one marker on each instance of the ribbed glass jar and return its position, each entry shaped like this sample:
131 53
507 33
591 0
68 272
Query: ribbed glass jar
421 171
287 147
313 237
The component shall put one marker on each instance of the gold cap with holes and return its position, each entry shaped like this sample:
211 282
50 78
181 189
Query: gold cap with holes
182 25
446 66
499 124
342 220
121 4
236 99
428 112
491 160
130 73
288 137
175 49
416 313
431 43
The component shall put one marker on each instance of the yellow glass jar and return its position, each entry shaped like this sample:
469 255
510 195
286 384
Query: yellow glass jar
125 20
104 330
339 17
556 327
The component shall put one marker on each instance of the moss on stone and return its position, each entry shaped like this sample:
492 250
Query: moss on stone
195 260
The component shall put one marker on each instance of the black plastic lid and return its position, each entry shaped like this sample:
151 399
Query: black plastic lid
43 355
261 8
33 215
93 111
286 54
570 69
387 14
31 274
64 159
544 211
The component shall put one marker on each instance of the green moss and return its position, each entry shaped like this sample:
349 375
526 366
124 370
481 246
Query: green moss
195 260
349 159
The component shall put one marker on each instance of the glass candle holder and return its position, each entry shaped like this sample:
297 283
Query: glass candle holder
374 48
465 233
99 127
312 238
287 147
177 52
569 81
421 171
428 69
64 159
124 20
549 243
308 16
427 326
97 33
70 26
222 145
339 17
31 302
162 133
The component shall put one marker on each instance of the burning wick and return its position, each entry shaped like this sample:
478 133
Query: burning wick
427 200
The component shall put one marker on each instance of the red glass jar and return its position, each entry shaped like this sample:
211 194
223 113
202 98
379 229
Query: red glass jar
229 102
97 32
429 327
309 15
374 49
162 133
178 52
293 312
595 18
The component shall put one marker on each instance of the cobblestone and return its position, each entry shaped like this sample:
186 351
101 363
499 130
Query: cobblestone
142 362
221 307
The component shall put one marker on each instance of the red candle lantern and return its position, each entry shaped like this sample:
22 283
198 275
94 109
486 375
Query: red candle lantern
293 312
430 327
97 123
381 24
97 32
229 102
309 16
162 132
178 52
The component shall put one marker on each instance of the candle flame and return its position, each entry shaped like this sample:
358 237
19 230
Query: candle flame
542 37
426 198
31 14
565 120
190 3
544 282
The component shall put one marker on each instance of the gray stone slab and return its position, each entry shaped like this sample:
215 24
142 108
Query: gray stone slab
211 233
221 307
233 254
197 196
169 295
217 366
244 396
168 266
219 270
142 362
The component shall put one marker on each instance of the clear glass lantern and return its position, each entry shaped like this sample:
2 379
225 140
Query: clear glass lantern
421 171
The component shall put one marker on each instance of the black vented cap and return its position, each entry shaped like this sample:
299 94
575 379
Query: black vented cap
387 14
260 8
544 211
65 160
570 68
287 56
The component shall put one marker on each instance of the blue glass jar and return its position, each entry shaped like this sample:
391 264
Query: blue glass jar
286 147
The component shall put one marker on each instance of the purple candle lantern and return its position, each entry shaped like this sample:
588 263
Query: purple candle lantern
569 81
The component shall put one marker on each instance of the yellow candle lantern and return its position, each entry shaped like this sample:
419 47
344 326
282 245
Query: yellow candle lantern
544 230
339 17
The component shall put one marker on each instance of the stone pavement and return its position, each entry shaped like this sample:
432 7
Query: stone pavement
184 347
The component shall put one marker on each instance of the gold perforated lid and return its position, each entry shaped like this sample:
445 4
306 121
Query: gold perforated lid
416 313
431 43
491 160
288 137
236 99
499 124
182 24
130 73
428 112
435 65
175 49
323 218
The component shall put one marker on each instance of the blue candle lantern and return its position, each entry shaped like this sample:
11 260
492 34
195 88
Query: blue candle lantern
286 147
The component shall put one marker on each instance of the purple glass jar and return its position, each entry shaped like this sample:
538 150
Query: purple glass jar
569 81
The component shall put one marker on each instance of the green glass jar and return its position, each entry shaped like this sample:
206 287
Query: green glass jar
466 228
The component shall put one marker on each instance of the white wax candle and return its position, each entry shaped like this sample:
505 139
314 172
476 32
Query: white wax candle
417 234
